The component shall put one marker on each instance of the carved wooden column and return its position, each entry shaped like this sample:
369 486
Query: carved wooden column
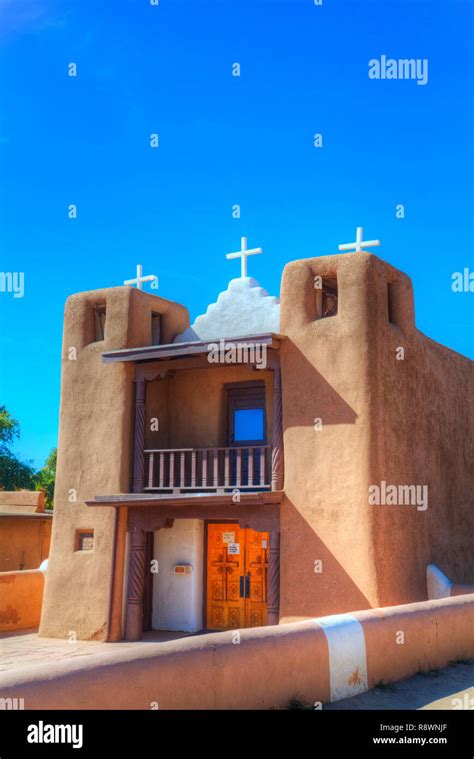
139 453
136 584
277 436
273 586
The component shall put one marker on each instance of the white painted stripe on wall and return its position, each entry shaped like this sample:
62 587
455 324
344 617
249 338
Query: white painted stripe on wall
347 655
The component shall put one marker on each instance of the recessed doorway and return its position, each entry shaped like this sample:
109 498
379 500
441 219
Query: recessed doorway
237 564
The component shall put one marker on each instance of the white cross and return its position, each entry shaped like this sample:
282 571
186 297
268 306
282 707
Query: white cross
243 253
140 279
358 243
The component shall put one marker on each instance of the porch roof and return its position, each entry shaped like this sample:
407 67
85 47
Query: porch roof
195 348
186 499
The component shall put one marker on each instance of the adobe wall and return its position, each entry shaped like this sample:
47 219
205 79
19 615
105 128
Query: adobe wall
405 422
423 433
21 594
326 372
316 661
27 501
24 541
94 452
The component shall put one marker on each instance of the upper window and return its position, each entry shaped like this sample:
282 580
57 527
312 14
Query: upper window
155 329
391 303
246 413
326 297
249 424
99 322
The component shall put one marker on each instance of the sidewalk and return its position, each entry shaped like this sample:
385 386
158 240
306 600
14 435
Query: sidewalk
26 649
433 690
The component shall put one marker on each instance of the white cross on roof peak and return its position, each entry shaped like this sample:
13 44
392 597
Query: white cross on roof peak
357 245
243 253
139 279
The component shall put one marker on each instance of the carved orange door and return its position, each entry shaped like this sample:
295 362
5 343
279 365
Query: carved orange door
236 577
256 565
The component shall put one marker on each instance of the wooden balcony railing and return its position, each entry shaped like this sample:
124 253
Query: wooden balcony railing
208 469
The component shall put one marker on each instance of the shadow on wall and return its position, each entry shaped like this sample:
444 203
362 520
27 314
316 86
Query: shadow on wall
331 591
317 394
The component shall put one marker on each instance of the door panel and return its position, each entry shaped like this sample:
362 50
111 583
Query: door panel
236 577
256 568
225 607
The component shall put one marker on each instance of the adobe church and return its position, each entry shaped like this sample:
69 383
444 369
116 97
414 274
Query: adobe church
220 475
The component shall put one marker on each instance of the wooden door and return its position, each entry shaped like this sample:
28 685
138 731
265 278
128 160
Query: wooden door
236 577
256 565
225 568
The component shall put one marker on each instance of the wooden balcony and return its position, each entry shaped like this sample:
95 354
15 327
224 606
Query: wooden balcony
180 470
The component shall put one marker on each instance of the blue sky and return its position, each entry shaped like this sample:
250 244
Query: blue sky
224 140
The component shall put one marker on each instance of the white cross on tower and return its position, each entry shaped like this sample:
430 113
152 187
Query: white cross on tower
359 243
243 253
138 281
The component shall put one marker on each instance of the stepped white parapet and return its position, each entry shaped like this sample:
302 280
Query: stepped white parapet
244 308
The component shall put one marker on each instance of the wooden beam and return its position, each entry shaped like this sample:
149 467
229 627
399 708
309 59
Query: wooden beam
183 499
183 350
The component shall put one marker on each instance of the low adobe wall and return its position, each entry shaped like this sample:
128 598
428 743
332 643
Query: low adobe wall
440 586
461 590
21 596
317 660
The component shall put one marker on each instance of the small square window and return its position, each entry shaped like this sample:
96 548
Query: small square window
84 540
326 298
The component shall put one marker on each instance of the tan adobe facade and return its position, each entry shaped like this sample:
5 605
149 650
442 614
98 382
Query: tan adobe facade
25 530
224 475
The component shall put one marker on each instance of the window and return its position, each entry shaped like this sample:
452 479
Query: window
391 303
249 424
155 329
246 413
99 322
247 433
326 297
84 540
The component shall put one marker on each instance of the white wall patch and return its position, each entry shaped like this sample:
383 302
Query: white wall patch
439 586
347 655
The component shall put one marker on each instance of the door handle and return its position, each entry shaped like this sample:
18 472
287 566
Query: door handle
245 586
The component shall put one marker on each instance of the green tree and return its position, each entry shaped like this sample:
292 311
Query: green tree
9 427
14 474
46 476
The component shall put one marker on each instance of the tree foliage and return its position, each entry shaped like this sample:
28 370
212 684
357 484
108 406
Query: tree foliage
16 474
46 476
9 427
